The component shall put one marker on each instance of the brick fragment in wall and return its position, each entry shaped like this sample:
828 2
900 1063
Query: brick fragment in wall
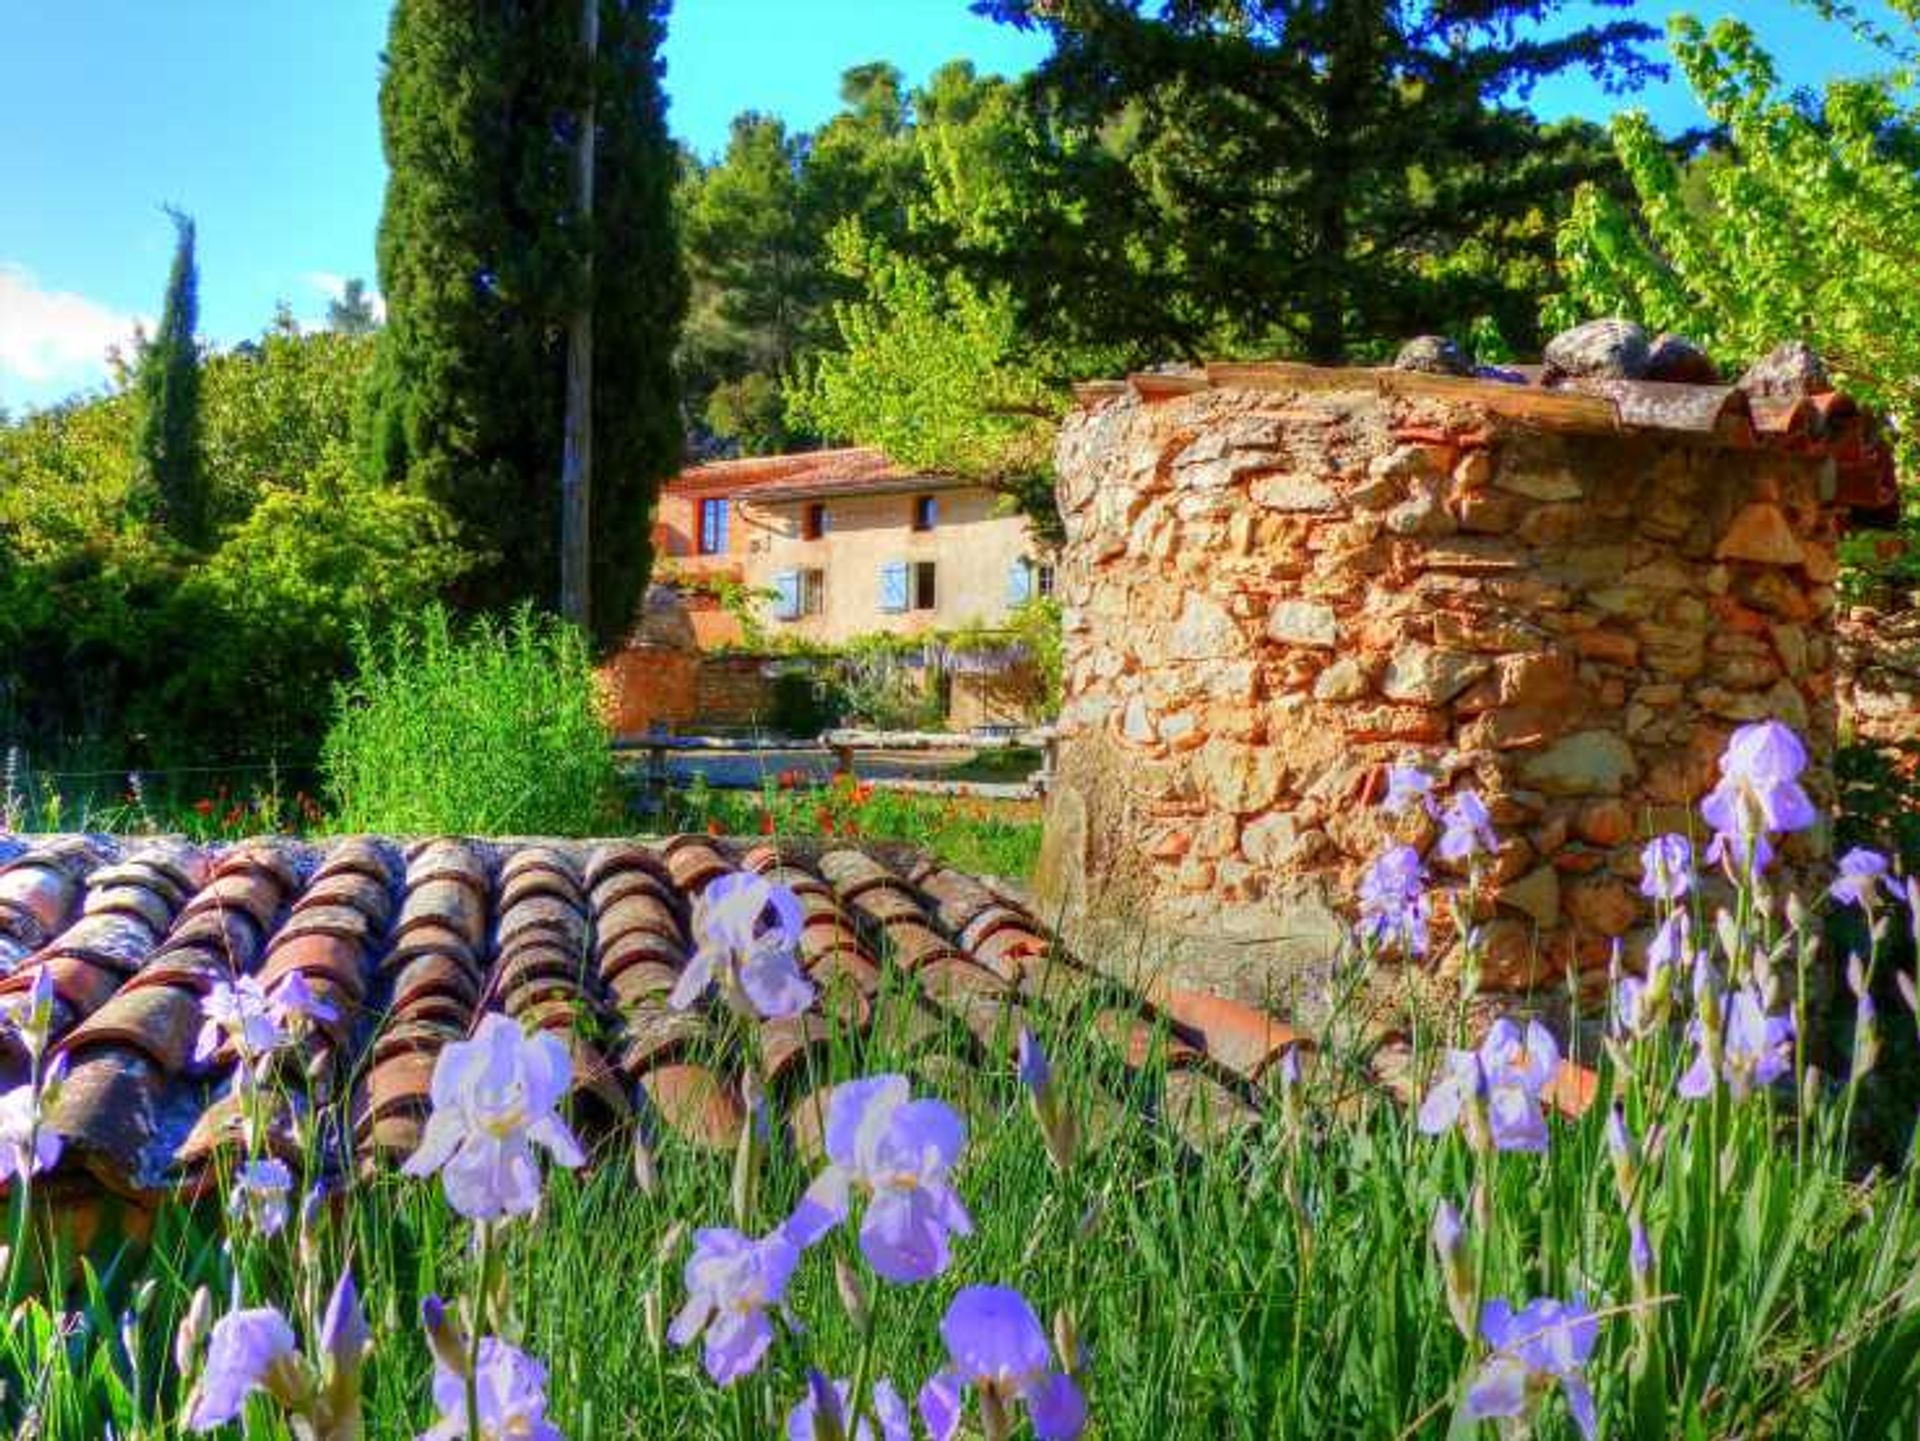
1572 621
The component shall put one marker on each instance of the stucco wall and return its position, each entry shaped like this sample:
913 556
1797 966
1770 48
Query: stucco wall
972 547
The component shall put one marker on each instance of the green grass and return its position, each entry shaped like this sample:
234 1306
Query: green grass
972 833
1274 1284
491 729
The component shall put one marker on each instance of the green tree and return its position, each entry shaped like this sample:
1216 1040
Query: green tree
169 386
481 257
114 637
351 312
1292 175
757 224
1804 223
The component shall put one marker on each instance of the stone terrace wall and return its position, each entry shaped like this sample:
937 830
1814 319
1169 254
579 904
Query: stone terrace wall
1273 593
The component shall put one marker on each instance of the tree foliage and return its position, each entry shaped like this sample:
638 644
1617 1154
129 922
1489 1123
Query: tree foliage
1298 176
1803 224
114 637
351 312
481 258
169 385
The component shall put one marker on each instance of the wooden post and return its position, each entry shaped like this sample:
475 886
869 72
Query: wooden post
576 461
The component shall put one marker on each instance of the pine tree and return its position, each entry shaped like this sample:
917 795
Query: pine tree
167 447
1315 177
481 259
351 312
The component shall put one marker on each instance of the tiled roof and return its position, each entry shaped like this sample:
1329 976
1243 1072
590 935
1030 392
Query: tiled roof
1829 424
853 466
413 941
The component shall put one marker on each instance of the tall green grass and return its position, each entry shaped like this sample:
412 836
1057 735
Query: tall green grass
487 728
1272 1282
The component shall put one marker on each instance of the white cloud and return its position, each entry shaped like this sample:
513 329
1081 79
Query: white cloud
335 286
51 338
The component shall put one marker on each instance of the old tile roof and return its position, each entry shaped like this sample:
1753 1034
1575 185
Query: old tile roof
850 466
1830 424
414 940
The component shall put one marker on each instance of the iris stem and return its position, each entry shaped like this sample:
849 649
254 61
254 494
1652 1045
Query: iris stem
480 1295
863 1373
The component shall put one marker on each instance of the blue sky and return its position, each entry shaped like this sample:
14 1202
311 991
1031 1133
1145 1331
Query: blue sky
259 118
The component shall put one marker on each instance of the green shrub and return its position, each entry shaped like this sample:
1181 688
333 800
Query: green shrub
491 729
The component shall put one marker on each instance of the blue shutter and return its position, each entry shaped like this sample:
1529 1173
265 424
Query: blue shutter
788 584
1019 581
893 586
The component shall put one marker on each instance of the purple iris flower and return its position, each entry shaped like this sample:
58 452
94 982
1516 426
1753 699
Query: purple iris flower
344 1335
249 1351
828 1400
1035 1074
1756 1049
1467 829
493 1097
510 1395
295 1005
1758 796
995 1344
899 1153
1861 873
1408 788
1666 868
238 1013
28 1145
732 1280
1506 1075
260 1190
1641 1004
758 968
1393 900
1547 1342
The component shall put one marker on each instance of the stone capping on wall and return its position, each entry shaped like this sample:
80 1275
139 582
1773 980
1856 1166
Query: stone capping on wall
1830 423
1280 580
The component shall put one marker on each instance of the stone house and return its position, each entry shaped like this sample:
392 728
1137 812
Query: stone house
847 543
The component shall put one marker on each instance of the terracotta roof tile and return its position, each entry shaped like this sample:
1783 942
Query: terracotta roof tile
414 941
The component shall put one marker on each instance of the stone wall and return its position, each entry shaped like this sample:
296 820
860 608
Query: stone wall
1278 584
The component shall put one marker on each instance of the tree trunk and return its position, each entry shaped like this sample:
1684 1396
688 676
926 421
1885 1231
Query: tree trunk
576 462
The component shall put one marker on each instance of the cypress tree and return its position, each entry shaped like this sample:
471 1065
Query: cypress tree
482 256
167 446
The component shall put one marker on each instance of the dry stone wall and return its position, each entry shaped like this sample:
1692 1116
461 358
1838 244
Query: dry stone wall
1274 592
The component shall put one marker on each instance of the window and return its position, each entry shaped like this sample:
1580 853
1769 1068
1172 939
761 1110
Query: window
1027 578
813 591
923 585
713 526
1043 578
813 521
926 510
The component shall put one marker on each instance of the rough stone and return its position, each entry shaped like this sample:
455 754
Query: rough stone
1788 372
1535 895
1240 778
1303 622
1429 676
1269 839
1603 904
1204 631
1677 360
1604 823
1345 679
1434 355
1762 534
1600 349
1547 485
1587 763
1294 493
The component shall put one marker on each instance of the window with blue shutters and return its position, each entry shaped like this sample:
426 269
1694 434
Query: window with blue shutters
893 586
713 526
787 583
1019 581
